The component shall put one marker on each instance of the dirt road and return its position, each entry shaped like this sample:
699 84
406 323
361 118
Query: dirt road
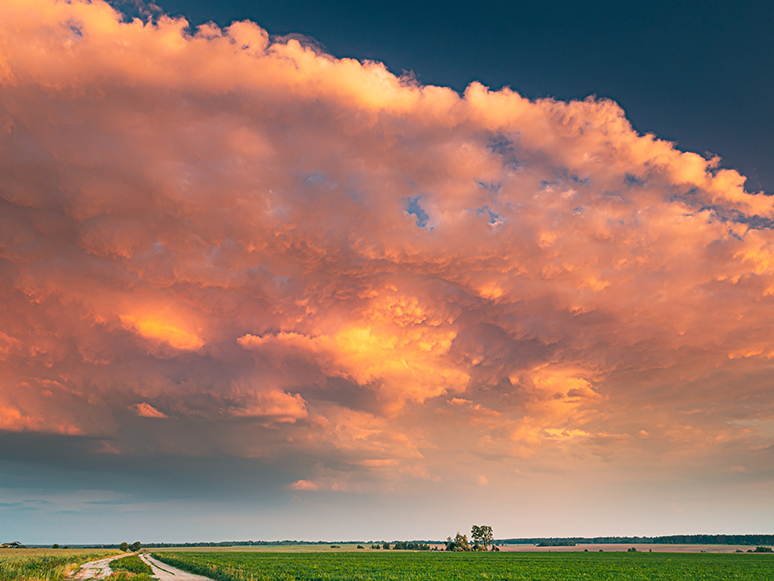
95 569
164 572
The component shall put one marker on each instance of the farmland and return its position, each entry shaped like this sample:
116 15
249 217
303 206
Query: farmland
132 564
234 566
44 564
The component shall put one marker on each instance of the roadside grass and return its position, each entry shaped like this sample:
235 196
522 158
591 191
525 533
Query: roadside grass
45 564
440 566
129 576
130 564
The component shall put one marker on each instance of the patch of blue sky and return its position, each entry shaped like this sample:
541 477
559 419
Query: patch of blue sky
632 180
75 27
505 148
492 187
494 218
415 209
563 176
579 180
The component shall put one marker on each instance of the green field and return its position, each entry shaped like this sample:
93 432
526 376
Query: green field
131 564
373 566
44 564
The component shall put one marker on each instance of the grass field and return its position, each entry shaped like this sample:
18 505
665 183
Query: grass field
372 566
132 564
44 564
322 548
352 547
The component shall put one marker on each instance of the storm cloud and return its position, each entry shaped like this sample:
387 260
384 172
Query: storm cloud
212 243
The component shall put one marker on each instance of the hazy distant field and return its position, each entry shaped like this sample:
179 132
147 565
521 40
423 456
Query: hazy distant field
44 564
504 566
340 547
352 547
623 547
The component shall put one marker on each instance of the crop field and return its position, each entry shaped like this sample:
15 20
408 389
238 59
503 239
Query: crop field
132 564
473 566
44 564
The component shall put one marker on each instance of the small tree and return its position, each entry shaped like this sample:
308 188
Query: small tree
124 546
482 534
135 546
386 545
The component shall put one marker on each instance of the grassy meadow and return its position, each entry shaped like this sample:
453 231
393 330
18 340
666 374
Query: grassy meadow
45 564
440 566
130 568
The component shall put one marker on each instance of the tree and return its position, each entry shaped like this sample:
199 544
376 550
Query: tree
482 534
386 545
458 543
124 546
135 546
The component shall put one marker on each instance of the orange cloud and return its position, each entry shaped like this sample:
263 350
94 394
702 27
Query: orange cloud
303 485
163 332
275 404
323 257
410 365
145 410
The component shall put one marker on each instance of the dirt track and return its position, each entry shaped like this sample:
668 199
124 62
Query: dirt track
95 569
101 569
165 572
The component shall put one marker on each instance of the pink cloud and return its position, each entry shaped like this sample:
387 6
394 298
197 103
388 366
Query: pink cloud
323 256
145 410
274 404
303 485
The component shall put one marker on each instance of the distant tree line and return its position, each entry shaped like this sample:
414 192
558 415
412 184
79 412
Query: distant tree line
666 540
752 540
284 543
402 545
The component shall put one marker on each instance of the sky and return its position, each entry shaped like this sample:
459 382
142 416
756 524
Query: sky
274 272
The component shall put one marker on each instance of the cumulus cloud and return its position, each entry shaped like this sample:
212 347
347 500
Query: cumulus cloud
146 410
281 406
325 256
303 485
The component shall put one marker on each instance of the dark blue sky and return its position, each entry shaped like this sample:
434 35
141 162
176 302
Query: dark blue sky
698 73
